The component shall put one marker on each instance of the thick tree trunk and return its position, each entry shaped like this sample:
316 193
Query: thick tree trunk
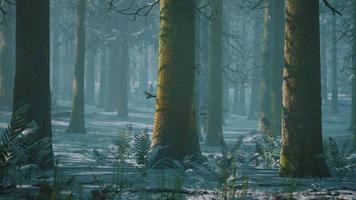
174 132
334 71
77 123
278 16
302 146
7 65
215 76
32 84
265 84
123 79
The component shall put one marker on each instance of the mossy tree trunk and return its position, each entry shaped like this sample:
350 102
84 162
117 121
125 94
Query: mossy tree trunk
302 147
77 123
214 135
174 132
32 76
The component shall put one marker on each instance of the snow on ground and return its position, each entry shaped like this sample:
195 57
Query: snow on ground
75 159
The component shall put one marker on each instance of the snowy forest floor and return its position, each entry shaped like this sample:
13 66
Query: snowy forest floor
87 170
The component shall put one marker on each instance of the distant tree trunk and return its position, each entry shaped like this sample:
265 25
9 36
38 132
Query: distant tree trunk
255 75
89 89
203 71
54 56
123 79
265 102
242 62
215 76
112 77
235 108
32 84
77 123
334 71
353 86
324 66
302 147
144 71
103 77
7 65
174 133
278 16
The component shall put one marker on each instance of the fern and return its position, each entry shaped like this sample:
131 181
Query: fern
123 145
20 145
141 146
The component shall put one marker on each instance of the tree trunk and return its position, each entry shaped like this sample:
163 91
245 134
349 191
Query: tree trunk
90 74
103 77
32 84
77 123
215 76
278 17
123 79
112 74
334 71
255 75
265 84
7 65
174 133
302 147
324 66
353 86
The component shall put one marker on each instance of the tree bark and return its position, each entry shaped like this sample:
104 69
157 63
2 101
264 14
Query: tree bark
77 123
215 76
265 84
32 84
302 147
174 133
278 9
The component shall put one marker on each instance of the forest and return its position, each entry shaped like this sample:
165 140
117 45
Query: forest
177 99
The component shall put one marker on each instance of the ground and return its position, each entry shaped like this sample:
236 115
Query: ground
87 169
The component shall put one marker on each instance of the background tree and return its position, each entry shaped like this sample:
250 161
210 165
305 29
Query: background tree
215 76
77 123
334 67
175 122
265 84
7 63
32 76
302 147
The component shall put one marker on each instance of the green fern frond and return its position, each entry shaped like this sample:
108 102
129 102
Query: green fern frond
141 146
